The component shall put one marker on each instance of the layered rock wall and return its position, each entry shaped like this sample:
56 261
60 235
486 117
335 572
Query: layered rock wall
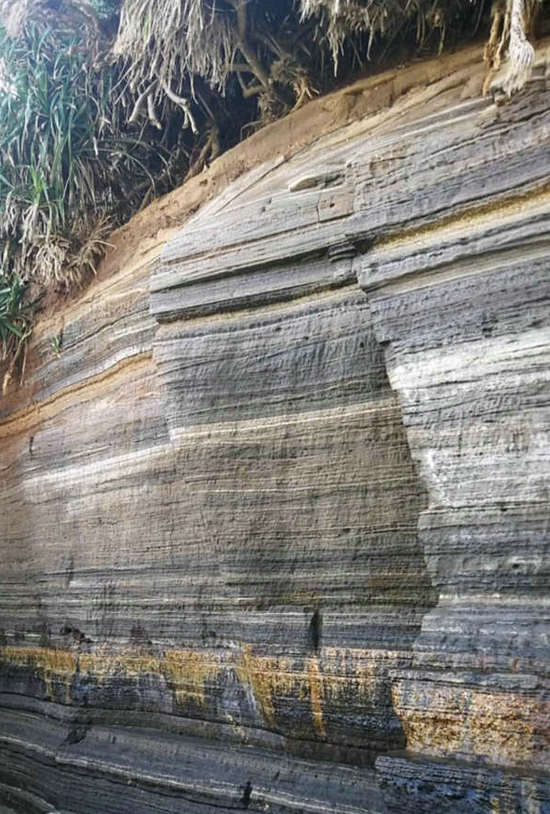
274 521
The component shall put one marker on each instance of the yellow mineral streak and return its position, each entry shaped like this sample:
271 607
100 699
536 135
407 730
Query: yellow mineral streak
260 675
317 696
50 665
126 663
276 678
336 677
187 672
508 729
355 672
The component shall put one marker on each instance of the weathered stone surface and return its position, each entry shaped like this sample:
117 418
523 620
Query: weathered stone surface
278 512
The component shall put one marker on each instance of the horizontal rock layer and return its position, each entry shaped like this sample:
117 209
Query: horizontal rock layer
274 528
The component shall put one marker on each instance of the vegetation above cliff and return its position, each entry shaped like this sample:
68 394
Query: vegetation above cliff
105 104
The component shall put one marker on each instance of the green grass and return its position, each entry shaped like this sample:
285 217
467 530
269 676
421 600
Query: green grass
71 168
66 155
15 325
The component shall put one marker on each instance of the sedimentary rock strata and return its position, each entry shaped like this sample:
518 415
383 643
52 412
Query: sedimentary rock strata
275 519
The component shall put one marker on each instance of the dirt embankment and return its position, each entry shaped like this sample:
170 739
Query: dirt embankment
149 229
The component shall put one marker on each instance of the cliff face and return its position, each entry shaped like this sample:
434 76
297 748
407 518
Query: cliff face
274 528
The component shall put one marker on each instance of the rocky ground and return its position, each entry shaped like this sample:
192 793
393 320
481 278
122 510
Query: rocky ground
275 489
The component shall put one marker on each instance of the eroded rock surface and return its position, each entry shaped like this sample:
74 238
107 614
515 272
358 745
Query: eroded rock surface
275 521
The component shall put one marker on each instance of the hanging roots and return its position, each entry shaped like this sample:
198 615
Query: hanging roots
508 46
286 72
